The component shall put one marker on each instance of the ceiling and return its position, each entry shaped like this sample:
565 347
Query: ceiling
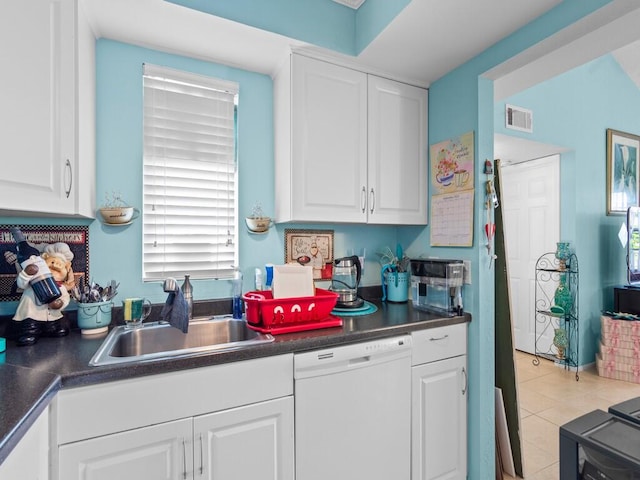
427 39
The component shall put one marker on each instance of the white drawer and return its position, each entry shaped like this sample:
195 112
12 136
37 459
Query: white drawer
111 407
439 343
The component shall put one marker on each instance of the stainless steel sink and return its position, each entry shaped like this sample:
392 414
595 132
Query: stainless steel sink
158 340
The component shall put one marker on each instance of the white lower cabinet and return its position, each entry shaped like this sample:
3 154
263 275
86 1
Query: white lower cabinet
439 404
158 452
253 442
224 422
213 446
29 460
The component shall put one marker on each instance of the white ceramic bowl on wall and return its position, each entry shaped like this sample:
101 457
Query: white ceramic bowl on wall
119 215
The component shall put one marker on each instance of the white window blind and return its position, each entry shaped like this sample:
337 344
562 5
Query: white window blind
190 207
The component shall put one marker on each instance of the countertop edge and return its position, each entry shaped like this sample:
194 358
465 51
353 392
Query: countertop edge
21 425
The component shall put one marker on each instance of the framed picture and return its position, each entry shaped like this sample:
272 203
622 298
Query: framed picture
76 237
622 171
311 248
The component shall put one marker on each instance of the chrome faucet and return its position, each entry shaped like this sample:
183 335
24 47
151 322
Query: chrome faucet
170 285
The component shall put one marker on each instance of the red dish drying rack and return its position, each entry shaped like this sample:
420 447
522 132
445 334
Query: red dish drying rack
285 315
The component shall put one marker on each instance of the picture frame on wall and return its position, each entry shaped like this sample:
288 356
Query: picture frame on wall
39 236
311 248
623 150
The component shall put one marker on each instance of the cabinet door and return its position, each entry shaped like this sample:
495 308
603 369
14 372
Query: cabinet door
159 452
398 170
37 99
329 142
251 442
439 425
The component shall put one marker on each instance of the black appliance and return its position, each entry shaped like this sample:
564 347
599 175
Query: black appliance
602 445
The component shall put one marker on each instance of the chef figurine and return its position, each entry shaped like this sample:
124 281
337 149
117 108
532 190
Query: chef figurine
33 320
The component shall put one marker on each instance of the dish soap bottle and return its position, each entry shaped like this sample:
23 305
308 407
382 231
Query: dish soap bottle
237 294
187 291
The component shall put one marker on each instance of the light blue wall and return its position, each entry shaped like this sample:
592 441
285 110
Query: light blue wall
574 110
116 252
318 22
372 17
460 102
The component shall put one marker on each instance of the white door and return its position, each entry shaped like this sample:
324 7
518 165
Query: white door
254 442
159 452
531 211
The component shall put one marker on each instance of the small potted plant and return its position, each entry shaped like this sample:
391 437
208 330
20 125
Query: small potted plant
115 211
258 222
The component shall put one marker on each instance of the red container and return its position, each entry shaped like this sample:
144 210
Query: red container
283 315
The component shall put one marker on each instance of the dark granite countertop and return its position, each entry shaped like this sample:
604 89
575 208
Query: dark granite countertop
31 376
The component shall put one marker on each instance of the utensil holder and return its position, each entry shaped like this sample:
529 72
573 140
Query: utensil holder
94 318
397 286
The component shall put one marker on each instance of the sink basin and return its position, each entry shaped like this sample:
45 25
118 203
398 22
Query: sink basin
158 340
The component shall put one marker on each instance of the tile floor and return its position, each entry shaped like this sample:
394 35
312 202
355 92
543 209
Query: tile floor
549 396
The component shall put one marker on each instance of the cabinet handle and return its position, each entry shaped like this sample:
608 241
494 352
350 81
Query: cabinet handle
363 199
201 455
372 196
439 338
184 459
67 191
466 381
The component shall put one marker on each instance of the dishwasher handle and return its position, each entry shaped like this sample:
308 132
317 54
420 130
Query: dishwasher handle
351 357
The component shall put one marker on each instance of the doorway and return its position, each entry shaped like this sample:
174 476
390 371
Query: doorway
531 212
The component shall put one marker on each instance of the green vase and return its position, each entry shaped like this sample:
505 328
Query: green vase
561 342
562 254
563 297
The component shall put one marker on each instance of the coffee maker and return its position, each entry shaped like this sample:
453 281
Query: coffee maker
436 285
345 281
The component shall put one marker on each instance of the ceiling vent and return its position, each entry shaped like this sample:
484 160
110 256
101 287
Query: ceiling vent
355 4
518 118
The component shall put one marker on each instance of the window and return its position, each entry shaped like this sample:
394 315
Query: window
190 175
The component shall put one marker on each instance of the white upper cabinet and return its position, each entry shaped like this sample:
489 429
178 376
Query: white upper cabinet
321 142
350 147
397 167
47 115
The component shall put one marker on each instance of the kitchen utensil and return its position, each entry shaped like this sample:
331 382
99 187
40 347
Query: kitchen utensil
345 281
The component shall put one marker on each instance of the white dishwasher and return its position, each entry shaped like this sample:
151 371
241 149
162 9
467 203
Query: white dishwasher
353 411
